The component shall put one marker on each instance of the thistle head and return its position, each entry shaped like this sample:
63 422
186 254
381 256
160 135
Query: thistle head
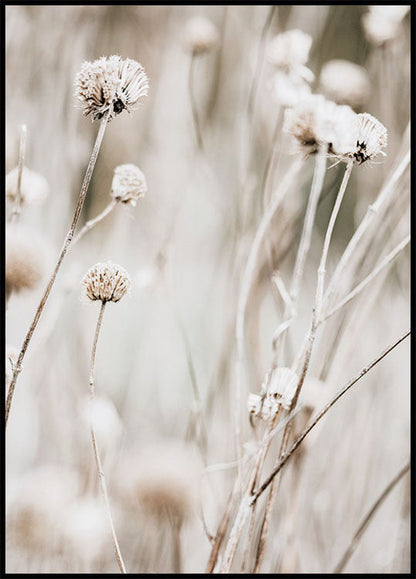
368 138
201 36
345 82
34 188
129 184
107 282
110 85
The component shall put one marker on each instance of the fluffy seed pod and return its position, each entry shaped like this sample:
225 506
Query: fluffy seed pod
345 82
107 282
201 36
367 140
34 188
110 84
26 254
289 90
129 184
317 122
382 23
289 52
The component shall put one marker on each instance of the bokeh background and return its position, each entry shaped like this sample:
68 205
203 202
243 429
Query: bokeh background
172 340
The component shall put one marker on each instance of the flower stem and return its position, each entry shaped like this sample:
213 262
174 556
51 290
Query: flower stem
95 445
93 222
195 116
67 242
17 206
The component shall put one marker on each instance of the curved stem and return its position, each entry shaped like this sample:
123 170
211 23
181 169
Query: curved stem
95 445
67 242
17 206
367 519
322 413
93 222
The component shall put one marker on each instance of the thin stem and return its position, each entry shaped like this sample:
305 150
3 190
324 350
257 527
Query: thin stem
365 223
358 288
95 445
68 239
322 413
195 116
177 551
17 206
305 241
247 282
93 222
368 517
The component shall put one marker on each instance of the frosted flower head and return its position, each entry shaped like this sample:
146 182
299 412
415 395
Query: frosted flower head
382 23
110 84
345 82
107 282
316 122
282 386
34 188
367 141
129 184
201 36
26 254
289 52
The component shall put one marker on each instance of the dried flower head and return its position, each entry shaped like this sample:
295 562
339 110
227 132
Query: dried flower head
382 23
367 140
129 184
110 84
201 36
289 52
107 282
34 188
345 82
316 122
84 528
278 389
163 481
26 254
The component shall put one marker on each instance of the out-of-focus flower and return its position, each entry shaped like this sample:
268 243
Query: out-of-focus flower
34 188
289 90
129 184
201 35
110 84
107 282
289 52
345 82
382 23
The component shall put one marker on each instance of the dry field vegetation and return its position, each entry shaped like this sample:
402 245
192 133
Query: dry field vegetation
250 170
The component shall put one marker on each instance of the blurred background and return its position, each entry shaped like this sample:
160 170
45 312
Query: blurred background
166 353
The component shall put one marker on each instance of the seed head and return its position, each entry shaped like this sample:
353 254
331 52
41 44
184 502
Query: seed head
382 23
110 84
129 184
34 188
107 282
201 36
289 52
26 254
367 140
289 90
345 82
316 122
278 389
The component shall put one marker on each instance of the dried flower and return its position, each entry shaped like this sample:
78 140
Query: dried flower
110 84
316 122
345 82
201 35
289 51
278 389
163 481
367 140
289 90
34 188
382 23
129 184
84 527
107 282
26 253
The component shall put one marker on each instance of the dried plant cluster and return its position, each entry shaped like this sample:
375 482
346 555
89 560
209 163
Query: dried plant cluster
199 409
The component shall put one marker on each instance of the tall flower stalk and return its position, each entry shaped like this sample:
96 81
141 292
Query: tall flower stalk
106 87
